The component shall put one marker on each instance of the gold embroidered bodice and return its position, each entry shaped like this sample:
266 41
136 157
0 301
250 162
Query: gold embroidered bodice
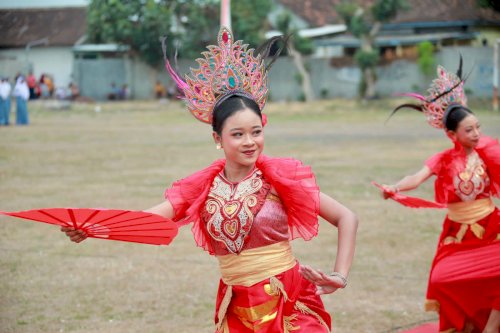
230 208
471 181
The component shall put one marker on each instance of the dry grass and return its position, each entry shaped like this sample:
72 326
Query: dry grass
124 157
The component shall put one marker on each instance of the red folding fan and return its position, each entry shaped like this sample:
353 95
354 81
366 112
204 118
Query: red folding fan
408 201
114 224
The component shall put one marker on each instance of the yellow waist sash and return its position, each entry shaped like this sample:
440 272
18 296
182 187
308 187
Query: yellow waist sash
469 212
254 265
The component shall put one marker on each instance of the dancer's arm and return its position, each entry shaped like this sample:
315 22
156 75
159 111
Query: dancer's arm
164 209
408 183
347 223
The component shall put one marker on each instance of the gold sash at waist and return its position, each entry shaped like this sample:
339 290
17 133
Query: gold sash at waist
469 212
254 265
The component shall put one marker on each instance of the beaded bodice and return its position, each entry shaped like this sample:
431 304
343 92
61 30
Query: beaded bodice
230 208
473 180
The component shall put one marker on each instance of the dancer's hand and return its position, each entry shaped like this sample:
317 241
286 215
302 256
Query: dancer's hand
76 235
388 191
325 284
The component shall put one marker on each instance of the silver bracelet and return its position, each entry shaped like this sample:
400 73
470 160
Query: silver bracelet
340 276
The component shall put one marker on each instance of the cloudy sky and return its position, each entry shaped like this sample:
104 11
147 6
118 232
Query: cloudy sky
41 3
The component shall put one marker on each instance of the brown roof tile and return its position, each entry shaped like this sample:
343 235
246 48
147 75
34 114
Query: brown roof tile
447 11
315 12
62 26
321 12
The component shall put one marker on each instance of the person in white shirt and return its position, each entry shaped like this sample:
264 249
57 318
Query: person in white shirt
22 94
5 90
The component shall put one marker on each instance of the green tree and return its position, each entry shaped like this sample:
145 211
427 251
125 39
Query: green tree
190 25
493 4
198 24
365 23
200 20
249 20
298 47
138 23
426 60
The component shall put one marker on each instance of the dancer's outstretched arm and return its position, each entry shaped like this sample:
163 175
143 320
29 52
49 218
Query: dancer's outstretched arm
408 183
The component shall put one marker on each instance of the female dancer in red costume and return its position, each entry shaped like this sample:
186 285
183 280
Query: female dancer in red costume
464 282
245 209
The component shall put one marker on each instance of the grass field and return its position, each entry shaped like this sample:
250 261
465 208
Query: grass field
126 155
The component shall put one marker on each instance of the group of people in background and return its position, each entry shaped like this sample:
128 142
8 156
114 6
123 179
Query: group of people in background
21 93
118 93
42 88
29 88
160 91
45 88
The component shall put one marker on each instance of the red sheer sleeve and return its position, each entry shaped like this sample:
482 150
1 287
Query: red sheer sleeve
297 188
185 192
489 151
444 165
188 195
434 162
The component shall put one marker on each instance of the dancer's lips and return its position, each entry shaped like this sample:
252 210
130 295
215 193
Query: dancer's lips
249 152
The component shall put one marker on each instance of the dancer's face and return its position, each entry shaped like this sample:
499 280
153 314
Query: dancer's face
242 138
468 132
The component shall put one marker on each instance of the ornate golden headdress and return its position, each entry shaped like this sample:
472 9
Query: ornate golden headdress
227 69
446 89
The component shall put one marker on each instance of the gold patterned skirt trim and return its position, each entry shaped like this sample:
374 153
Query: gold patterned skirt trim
431 305
254 265
256 317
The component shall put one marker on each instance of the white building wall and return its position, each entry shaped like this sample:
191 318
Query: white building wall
55 61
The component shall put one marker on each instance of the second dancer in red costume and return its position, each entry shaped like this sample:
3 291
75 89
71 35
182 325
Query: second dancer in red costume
464 282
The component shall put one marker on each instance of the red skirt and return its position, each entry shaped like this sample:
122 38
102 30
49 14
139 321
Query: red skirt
464 283
256 309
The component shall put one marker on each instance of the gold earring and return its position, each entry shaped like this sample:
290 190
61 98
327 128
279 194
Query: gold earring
218 147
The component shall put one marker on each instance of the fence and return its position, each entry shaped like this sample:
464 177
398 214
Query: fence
96 76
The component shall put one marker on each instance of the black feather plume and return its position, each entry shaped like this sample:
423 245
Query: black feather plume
416 107
459 70
265 48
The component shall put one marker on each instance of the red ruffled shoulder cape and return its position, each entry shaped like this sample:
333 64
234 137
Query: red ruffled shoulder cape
294 182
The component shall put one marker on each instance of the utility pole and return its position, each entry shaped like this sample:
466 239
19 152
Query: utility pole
495 75
225 14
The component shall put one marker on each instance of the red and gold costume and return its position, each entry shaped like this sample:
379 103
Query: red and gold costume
248 226
464 282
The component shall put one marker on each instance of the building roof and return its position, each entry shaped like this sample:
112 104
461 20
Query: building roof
322 12
315 12
313 32
56 26
396 40
98 48
447 11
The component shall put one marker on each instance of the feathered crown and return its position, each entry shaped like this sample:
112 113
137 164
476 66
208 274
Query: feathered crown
446 89
227 69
